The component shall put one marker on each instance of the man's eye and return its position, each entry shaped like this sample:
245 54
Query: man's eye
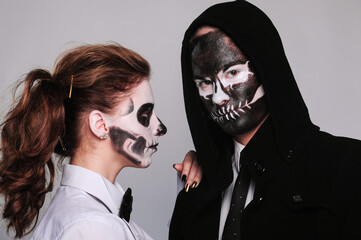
205 83
232 73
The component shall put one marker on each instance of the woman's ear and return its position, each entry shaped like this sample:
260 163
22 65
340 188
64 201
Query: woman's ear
98 125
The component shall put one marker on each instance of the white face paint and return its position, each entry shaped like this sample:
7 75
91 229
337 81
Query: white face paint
236 74
134 128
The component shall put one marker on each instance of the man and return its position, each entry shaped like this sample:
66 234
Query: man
252 132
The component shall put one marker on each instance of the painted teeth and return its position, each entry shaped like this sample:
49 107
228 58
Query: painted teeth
229 112
246 105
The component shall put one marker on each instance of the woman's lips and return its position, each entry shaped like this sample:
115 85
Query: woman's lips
153 146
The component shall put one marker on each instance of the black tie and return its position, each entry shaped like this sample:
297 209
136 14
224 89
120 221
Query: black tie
232 227
126 207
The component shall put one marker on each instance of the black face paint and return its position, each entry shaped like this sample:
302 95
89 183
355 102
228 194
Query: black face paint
144 114
212 53
119 136
229 89
139 146
162 129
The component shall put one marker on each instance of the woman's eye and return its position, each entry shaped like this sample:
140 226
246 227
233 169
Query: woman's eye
146 115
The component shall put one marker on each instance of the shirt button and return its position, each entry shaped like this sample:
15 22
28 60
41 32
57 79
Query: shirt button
297 198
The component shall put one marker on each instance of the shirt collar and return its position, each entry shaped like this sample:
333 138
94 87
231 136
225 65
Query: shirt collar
237 153
94 184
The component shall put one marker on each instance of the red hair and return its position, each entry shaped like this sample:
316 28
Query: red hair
44 114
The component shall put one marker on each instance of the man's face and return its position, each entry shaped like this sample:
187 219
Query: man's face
135 128
228 87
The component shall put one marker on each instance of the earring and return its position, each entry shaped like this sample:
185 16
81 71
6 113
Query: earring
105 136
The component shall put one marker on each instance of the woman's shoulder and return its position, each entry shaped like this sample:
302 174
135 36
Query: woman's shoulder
75 214
91 226
73 209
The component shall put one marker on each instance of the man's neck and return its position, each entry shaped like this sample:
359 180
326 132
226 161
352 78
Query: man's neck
246 137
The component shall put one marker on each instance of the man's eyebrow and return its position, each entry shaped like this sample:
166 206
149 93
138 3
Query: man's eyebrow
196 77
228 65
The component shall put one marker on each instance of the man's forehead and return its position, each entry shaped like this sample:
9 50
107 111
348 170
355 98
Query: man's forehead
213 52
204 30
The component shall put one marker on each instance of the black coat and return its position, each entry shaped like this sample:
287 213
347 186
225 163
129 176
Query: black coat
315 195
307 181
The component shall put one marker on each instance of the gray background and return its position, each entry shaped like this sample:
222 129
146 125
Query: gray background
322 41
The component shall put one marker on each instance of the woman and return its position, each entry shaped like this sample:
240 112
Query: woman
96 108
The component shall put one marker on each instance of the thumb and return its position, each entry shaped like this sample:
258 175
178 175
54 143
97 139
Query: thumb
178 167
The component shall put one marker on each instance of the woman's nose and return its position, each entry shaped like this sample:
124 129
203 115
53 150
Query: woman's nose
161 130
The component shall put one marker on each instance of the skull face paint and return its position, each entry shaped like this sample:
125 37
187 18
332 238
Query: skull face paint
134 128
228 87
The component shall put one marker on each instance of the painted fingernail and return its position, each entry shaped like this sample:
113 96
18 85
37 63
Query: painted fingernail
184 178
194 185
187 187
174 166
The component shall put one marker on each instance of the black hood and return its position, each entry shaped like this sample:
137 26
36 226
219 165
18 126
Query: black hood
253 32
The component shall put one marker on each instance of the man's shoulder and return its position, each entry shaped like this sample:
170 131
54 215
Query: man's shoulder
334 159
336 144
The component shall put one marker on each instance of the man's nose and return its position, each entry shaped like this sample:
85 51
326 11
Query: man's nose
161 129
219 96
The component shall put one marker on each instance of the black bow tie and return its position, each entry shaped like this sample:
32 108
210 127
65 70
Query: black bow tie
126 207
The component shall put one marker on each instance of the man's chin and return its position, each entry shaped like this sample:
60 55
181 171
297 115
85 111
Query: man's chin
237 128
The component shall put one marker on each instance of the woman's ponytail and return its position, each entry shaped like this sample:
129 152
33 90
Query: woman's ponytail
29 134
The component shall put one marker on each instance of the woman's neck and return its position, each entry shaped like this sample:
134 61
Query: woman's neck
98 160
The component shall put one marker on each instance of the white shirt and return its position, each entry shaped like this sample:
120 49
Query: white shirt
86 206
227 194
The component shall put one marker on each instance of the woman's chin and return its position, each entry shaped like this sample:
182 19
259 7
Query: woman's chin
144 163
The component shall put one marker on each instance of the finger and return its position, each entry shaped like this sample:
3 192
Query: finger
197 178
192 173
178 167
191 165
187 164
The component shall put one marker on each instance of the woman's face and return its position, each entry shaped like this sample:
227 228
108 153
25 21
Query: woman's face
134 128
